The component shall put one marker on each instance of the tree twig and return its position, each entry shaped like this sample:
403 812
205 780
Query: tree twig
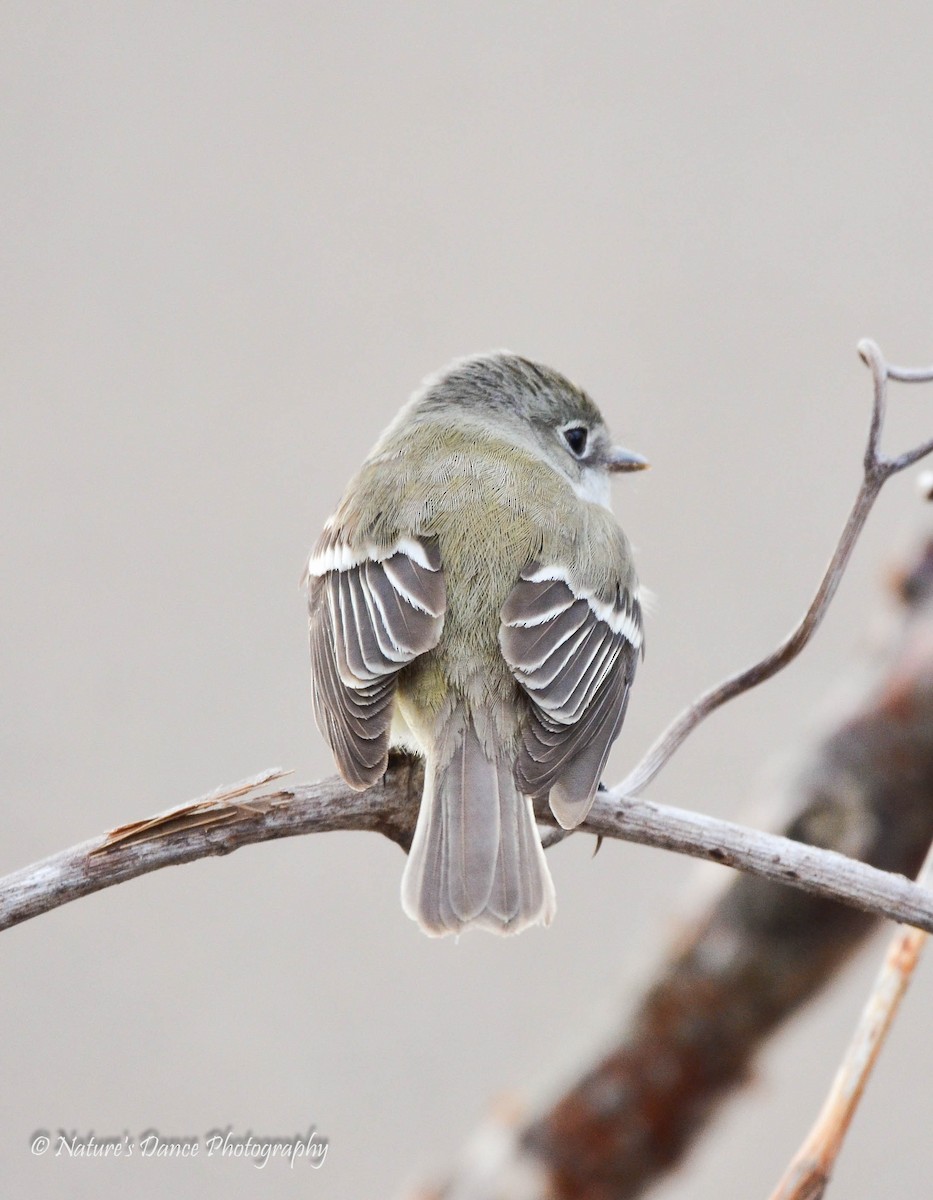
240 816
215 824
877 469
809 1171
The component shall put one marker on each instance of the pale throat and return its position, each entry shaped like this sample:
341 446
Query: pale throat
594 487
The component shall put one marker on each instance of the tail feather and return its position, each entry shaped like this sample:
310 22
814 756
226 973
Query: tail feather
471 802
476 857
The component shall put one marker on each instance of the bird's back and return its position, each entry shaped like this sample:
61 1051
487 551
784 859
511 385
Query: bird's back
492 509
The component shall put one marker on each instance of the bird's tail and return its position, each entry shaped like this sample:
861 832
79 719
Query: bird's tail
476 857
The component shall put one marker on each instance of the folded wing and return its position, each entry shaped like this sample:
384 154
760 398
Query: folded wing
575 657
371 613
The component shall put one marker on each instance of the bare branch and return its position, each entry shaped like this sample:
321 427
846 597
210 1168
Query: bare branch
874 360
240 816
876 471
909 457
809 1171
909 374
215 824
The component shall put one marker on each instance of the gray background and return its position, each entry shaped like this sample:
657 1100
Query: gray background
234 238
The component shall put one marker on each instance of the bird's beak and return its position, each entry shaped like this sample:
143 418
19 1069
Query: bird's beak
619 459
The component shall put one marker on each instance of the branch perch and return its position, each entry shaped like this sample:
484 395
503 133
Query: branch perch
241 815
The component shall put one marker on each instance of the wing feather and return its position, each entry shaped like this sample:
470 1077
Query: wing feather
574 656
370 615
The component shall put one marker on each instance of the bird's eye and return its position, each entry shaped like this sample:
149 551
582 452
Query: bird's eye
576 438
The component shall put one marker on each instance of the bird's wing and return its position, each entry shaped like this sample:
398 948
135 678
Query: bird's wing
371 613
575 657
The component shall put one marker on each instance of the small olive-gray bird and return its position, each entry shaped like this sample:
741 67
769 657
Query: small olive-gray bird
473 599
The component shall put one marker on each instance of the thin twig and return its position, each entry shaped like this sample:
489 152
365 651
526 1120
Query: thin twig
809 1171
876 471
239 816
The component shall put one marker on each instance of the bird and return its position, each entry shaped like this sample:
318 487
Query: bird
473 600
